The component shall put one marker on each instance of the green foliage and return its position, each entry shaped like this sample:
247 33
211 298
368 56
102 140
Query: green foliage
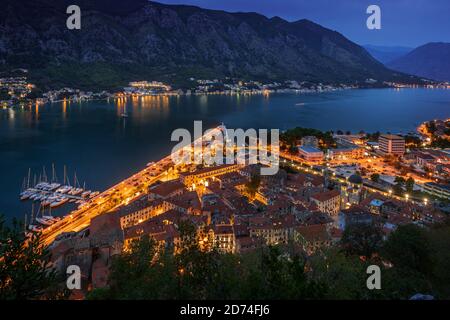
441 143
408 249
412 260
412 141
291 138
24 272
431 127
409 184
253 185
375 177
439 240
398 189
344 277
373 136
362 239
147 273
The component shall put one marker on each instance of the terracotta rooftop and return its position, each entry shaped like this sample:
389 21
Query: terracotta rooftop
314 233
325 196
167 188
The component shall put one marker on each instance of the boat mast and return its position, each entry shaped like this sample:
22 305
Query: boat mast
44 174
32 212
65 173
39 211
24 183
29 176
49 211
75 180
54 178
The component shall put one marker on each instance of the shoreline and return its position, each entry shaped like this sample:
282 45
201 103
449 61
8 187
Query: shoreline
118 96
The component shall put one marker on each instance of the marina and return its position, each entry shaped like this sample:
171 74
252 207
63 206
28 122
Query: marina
51 195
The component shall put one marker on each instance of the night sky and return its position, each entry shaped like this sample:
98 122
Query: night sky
404 22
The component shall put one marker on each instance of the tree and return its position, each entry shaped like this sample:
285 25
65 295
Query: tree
439 237
343 277
375 177
408 248
24 266
399 180
398 189
253 185
362 240
409 184
431 127
373 136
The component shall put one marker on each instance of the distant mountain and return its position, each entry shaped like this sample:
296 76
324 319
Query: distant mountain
386 54
431 60
120 41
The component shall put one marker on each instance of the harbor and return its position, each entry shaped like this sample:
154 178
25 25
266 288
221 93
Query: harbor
49 194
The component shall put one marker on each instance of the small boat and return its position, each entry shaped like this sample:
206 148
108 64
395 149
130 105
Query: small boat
76 191
86 193
34 196
51 218
93 194
58 202
300 104
54 186
49 200
25 195
63 189
124 114
34 228
44 221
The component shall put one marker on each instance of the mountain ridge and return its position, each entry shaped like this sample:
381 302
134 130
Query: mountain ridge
431 60
387 54
118 43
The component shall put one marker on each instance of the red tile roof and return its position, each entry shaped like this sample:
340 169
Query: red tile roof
325 196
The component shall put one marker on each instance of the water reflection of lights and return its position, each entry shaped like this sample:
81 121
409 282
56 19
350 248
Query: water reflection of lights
11 114
64 107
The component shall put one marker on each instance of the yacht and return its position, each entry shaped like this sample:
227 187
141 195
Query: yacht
86 193
58 202
34 228
51 218
44 221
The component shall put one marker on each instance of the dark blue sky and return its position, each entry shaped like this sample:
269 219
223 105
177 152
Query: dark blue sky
404 22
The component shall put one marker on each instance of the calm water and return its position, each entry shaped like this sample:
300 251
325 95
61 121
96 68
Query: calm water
104 148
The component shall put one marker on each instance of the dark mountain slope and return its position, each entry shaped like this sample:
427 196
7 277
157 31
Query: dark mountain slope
431 60
386 54
121 41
